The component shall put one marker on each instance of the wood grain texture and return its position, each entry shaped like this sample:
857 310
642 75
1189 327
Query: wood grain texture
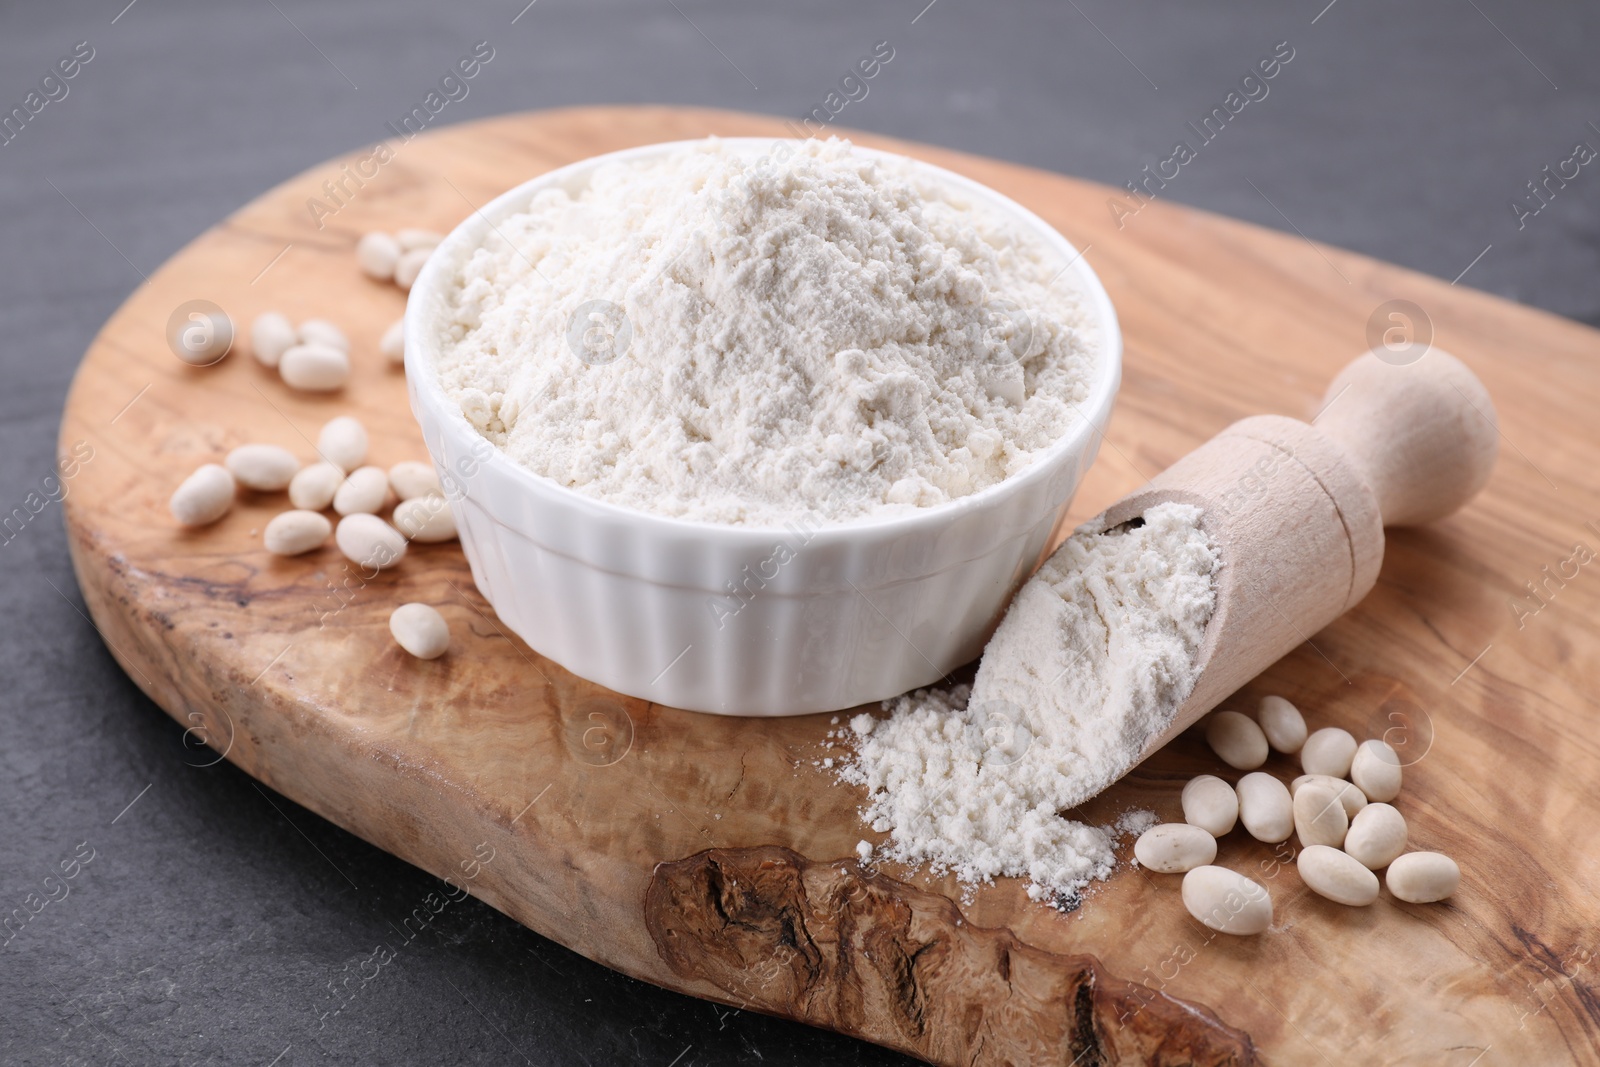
287 665
839 947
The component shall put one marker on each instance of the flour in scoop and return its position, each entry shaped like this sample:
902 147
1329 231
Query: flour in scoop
719 335
1092 658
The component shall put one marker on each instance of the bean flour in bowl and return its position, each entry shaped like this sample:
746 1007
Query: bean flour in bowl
720 336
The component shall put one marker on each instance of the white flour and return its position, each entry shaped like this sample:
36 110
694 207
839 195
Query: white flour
1094 655
825 333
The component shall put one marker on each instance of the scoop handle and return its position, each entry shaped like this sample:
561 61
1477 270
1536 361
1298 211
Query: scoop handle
1423 435
1297 510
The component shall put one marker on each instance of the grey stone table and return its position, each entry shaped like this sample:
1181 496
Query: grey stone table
211 922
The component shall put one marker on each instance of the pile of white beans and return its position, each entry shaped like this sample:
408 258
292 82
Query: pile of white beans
1339 809
396 257
315 357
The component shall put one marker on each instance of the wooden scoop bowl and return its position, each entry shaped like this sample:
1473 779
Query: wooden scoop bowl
1297 509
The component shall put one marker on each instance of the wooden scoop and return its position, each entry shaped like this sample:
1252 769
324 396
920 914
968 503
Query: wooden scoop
1297 509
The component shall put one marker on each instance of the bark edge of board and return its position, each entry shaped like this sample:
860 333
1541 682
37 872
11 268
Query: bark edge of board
836 946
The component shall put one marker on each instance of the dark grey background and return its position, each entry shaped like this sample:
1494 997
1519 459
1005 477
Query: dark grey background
213 916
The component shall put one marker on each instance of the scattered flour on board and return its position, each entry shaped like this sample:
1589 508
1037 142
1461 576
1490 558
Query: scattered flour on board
1093 657
814 330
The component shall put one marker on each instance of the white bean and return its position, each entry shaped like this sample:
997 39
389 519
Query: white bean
314 368
1237 740
1283 724
343 442
1352 798
413 238
1226 901
1328 751
1211 804
1330 873
426 519
369 541
410 265
267 468
393 343
323 332
363 492
313 488
410 479
1319 818
420 630
294 532
1423 877
1174 847
1377 835
271 335
203 497
1265 807
376 254
1376 769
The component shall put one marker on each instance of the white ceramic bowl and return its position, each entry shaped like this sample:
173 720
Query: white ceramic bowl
638 602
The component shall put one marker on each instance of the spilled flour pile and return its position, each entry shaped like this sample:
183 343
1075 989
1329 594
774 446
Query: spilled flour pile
1093 657
717 335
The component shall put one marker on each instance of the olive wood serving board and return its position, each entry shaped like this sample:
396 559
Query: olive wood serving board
714 855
